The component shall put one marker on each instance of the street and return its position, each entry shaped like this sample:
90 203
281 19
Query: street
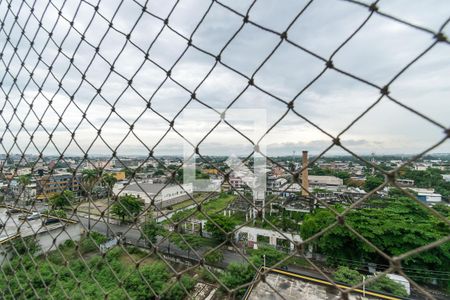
132 236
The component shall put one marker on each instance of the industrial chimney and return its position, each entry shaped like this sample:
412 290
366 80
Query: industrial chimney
305 181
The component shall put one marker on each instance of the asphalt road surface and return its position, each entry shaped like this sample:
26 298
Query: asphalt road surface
132 236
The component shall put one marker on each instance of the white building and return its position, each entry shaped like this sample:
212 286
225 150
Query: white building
162 194
251 235
23 171
323 181
430 198
421 166
446 177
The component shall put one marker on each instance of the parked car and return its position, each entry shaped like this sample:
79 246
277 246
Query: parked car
11 211
34 216
50 221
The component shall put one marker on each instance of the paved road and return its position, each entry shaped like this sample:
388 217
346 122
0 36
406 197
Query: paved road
132 236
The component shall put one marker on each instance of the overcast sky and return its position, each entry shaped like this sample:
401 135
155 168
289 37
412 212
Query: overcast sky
376 54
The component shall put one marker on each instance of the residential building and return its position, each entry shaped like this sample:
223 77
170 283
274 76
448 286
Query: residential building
50 184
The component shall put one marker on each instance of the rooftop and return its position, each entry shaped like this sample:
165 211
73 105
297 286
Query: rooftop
149 188
293 286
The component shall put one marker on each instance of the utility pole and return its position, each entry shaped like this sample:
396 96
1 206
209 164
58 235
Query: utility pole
364 286
264 258
305 182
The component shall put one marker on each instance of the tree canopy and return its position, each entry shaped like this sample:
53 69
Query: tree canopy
214 256
89 178
372 182
127 207
61 200
224 224
24 278
394 225
109 180
430 178
272 256
383 284
150 230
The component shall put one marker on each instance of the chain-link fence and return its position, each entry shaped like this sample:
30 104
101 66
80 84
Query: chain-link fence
86 83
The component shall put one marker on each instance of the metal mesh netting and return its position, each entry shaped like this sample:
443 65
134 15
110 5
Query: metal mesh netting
86 83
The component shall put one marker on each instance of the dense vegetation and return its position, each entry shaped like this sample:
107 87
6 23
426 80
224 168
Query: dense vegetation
383 284
431 178
394 225
127 207
87 275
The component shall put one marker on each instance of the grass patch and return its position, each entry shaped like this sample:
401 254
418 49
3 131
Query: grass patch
298 261
195 241
131 259
183 204
216 205
209 208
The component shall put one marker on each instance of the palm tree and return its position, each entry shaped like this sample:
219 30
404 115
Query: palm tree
110 180
24 181
89 180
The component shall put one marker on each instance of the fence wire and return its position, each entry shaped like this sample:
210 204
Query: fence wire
43 60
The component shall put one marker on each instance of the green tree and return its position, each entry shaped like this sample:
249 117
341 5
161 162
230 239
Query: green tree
150 230
127 206
442 209
155 275
372 182
430 178
62 200
24 181
393 225
89 178
177 292
383 284
25 246
159 172
109 180
387 285
346 275
59 213
214 257
224 224
237 274
272 256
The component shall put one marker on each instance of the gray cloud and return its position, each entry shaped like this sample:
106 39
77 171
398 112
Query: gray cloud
380 50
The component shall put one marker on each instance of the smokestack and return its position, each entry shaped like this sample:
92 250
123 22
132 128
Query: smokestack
305 181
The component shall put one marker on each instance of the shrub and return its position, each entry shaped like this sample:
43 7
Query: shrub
214 257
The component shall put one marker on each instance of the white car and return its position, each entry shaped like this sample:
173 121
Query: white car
34 216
